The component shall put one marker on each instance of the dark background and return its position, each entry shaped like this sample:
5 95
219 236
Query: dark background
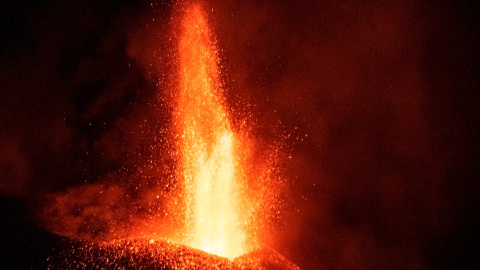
380 100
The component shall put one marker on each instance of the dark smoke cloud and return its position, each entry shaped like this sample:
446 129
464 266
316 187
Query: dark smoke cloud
82 133
65 80
379 100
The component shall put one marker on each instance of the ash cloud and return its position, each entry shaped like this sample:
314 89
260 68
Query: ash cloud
82 134
61 65
379 100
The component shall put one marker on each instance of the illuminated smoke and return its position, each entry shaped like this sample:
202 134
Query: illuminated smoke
386 92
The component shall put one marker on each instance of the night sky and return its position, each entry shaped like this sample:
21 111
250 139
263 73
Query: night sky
376 104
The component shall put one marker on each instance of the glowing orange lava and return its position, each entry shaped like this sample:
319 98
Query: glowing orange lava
214 213
209 165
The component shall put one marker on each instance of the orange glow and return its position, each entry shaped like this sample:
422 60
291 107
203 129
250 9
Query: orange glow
209 164
219 197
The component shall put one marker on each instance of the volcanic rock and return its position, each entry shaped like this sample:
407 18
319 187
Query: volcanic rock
149 254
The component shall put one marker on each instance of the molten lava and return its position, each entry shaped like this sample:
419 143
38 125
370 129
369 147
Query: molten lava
209 165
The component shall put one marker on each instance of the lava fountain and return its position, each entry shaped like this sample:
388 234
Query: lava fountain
209 164
223 193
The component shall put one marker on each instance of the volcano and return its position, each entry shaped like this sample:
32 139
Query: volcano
219 218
